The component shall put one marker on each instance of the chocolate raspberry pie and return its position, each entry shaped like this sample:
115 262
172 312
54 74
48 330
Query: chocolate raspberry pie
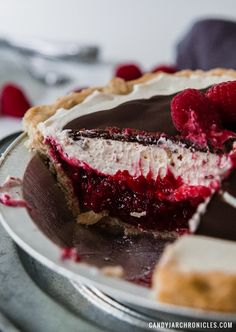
145 155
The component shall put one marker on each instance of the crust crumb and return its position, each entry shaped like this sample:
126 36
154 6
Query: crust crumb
90 217
113 271
118 86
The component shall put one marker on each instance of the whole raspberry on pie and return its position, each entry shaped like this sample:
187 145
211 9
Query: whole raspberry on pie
198 118
223 96
192 111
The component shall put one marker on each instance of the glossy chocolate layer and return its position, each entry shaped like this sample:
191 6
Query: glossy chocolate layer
219 220
144 114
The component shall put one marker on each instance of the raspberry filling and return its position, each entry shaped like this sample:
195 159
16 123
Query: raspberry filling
148 200
163 204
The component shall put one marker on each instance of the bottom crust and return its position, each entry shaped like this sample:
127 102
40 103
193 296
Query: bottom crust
128 229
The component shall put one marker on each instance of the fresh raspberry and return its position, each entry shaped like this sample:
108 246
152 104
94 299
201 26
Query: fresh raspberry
165 69
198 119
128 72
13 101
191 111
223 95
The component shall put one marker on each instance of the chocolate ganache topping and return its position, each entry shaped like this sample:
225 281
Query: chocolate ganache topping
219 219
151 115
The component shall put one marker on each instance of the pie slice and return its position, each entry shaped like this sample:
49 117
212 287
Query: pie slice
120 160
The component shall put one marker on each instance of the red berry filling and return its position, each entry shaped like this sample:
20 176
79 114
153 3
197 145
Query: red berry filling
140 201
162 204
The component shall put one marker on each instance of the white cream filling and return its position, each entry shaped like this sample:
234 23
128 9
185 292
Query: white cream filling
201 254
110 156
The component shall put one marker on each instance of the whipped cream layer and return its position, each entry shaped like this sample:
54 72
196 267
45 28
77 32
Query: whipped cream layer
108 156
163 84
